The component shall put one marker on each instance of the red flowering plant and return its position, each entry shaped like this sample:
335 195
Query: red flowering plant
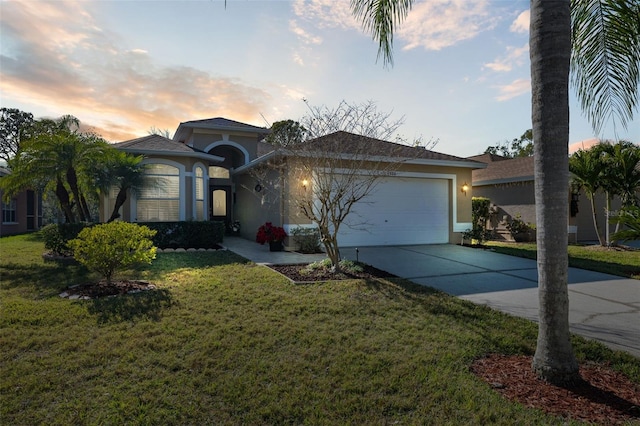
268 233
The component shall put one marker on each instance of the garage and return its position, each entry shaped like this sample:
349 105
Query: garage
399 211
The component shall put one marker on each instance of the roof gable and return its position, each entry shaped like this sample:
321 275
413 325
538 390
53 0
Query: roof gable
159 145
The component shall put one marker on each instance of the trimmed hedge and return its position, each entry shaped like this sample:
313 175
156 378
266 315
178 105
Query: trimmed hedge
170 235
187 234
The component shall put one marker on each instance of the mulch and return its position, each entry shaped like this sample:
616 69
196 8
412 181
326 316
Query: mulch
293 273
604 396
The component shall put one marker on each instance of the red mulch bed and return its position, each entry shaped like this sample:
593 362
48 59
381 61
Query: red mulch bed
604 396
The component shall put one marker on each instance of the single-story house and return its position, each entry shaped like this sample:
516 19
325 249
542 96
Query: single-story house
509 184
214 169
23 213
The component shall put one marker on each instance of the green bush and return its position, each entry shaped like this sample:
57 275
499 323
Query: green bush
207 234
56 236
308 239
519 230
480 210
630 218
110 247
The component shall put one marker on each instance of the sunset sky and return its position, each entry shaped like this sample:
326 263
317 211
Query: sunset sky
461 71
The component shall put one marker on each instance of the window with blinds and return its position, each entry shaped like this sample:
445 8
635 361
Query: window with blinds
159 201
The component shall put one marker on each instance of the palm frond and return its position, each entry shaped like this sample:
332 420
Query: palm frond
380 18
606 59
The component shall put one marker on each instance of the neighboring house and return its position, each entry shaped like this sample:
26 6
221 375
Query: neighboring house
509 184
210 171
23 213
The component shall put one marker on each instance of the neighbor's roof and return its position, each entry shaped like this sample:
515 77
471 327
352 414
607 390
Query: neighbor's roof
159 145
502 170
217 123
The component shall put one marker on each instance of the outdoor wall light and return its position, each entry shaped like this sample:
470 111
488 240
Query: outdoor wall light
465 188
305 183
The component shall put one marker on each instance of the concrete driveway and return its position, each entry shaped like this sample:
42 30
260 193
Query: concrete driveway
601 307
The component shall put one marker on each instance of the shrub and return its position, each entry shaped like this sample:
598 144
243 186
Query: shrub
519 230
113 246
189 234
56 236
480 211
630 218
308 239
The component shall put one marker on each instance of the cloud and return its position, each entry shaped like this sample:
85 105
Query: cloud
514 89
521 24
437 24
515 57
433 25
64 61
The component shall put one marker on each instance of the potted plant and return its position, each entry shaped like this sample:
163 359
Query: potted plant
274 235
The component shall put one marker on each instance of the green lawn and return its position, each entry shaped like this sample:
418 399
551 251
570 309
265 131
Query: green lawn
609 261
225 341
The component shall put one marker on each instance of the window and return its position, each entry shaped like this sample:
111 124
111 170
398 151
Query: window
9 211
219 202
218 172
160 200
199 178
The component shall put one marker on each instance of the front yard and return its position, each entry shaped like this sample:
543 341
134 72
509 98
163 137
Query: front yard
225 341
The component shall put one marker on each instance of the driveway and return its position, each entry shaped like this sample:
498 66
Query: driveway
601 306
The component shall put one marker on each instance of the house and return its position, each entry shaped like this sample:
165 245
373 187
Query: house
214 169
509 184
23 213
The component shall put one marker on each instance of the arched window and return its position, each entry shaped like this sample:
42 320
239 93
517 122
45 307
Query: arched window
218 172
160 200
199 196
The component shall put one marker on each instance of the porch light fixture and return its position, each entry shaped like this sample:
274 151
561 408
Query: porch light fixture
465 188
305 183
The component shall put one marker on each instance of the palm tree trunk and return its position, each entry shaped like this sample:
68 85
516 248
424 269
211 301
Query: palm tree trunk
72 180
63 198
595 218
120 199
550 41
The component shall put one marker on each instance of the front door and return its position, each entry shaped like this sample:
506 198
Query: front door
220 207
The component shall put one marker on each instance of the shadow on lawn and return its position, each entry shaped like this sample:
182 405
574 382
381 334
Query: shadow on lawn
48 279
483 320
130 307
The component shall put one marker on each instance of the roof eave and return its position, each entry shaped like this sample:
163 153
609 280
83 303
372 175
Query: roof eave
200 155
503 180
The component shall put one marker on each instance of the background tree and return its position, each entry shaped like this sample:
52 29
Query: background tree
15 127
286 133
153 130
59 158
518 147
615 93
586 174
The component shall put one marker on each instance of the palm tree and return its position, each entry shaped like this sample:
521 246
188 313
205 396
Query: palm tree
123 171
550 52
586 173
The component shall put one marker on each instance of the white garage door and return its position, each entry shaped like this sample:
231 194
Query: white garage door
399 211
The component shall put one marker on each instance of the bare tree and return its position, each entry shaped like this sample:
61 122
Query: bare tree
337 171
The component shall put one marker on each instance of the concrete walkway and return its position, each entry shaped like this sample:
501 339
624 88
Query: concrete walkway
601 307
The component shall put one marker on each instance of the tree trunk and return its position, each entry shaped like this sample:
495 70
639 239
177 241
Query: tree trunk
595 218
120 199
63 198
72 180
550 41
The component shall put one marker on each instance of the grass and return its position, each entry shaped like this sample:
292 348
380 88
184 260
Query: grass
593 258
226 341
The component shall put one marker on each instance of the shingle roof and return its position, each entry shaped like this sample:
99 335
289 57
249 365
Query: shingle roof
349 143
502 170
155 143
159 145
223 123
